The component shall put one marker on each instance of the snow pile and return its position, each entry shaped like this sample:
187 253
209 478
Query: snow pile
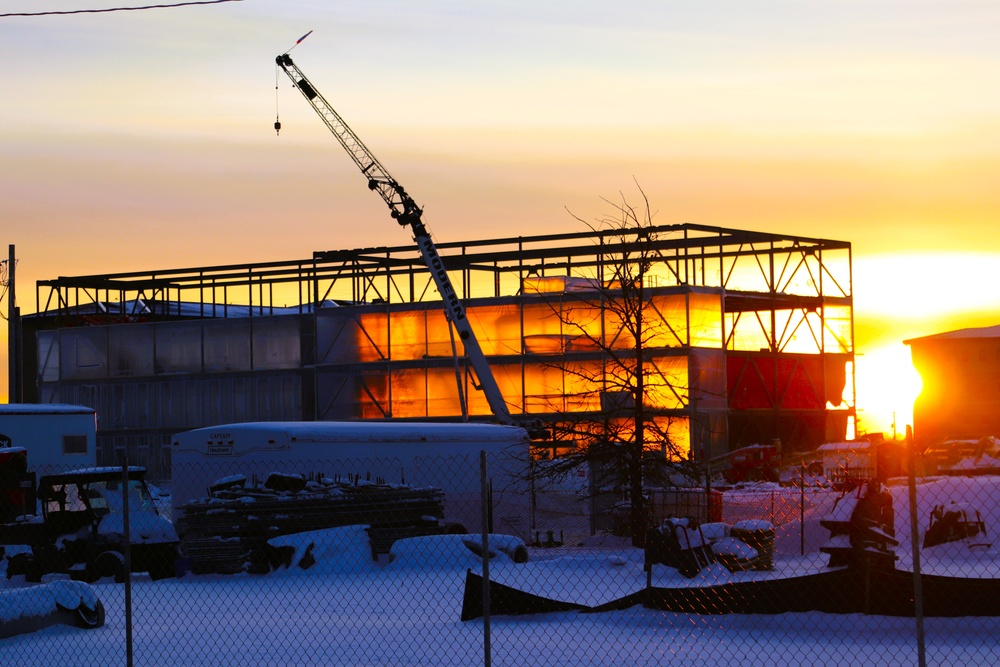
451 552
753 525
335 551
972 463
346 550
45 599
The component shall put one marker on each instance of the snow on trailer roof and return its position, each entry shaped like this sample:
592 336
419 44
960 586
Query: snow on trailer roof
366 431
844 446
94 474
44 409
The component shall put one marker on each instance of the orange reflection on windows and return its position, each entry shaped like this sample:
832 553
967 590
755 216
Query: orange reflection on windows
407 335
666 383
497 328
372 336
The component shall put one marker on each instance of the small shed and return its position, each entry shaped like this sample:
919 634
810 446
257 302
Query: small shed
56 436
848 460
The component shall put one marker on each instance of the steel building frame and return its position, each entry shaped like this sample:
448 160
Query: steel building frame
788 271
786 305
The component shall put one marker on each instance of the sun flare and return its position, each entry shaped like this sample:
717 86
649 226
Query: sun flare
887 386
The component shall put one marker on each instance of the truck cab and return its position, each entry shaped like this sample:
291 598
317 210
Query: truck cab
81 527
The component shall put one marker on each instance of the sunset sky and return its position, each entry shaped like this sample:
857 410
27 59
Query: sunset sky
143 139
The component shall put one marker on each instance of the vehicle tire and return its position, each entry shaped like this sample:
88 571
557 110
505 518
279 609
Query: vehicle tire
89 618
109 564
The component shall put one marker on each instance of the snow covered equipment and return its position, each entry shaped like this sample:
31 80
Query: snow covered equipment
679 543
759 536
956 522
862 527
81 528
17 485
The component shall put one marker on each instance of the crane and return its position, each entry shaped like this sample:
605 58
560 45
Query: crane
405 211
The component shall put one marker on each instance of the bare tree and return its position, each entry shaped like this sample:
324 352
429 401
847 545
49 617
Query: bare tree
619 423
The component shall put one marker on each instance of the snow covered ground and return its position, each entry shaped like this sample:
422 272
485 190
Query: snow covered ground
349 610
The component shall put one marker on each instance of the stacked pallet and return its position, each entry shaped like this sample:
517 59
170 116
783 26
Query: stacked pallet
228 531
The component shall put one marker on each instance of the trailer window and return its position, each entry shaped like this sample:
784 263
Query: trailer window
74 444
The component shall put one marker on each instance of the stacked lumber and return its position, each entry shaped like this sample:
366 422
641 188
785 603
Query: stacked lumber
222 532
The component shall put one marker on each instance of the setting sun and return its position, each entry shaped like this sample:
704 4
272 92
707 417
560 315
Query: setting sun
887 385
907 295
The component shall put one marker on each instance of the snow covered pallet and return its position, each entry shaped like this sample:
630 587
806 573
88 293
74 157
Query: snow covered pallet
220 533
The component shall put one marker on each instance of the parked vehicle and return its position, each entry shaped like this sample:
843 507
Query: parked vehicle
80 529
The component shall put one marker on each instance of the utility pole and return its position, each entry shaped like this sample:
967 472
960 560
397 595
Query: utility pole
13 335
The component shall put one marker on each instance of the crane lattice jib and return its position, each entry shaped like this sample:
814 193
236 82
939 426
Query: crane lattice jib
404 209
406 212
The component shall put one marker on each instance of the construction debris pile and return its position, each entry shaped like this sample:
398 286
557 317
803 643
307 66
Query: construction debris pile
227 532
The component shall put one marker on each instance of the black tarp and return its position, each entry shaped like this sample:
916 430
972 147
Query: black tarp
851 590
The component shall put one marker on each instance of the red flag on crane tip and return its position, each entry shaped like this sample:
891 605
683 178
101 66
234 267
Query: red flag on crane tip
299 41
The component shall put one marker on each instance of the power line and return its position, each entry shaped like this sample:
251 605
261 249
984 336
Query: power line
119 9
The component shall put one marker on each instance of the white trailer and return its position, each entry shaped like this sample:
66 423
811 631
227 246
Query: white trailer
443 455
57 437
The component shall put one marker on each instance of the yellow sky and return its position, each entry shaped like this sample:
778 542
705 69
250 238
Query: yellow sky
143 140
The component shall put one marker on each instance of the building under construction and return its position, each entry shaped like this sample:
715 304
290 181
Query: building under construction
753 330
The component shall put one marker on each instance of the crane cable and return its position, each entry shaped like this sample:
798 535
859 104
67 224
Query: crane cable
277 77
277 120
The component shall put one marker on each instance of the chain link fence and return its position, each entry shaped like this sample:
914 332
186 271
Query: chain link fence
456 560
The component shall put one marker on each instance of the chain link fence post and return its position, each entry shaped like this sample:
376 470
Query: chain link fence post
127 557
802 510
485 501
918 595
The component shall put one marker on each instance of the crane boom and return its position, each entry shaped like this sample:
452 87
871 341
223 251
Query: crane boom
406 212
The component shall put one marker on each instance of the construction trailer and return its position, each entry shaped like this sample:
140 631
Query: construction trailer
55 436
844 462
